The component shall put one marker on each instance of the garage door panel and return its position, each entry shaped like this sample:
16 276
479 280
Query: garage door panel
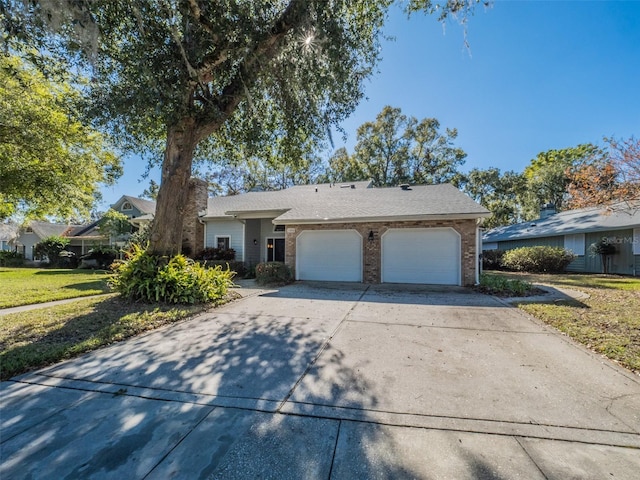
421 255
329 255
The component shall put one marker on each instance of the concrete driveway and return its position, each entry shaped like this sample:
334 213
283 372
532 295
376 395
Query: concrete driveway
319 381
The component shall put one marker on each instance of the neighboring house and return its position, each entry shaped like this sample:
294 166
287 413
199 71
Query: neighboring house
576 230
8 236
420 234
81 237
138 210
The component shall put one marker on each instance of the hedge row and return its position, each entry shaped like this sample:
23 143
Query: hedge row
529 259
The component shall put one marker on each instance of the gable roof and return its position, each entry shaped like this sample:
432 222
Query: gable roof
46 229
8 231
331 203
141 204
583 220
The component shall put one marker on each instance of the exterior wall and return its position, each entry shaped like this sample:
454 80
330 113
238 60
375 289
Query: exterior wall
230 228
252 242
26 242
578 265
132 212
192 229
372 248
622 262
556 241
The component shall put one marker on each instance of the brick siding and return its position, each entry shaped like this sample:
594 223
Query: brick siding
192 229
372 249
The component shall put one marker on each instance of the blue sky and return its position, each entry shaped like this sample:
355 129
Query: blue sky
538 75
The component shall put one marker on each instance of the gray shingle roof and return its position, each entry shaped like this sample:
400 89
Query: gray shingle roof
335 203
582 220
144 206
8 231
46 229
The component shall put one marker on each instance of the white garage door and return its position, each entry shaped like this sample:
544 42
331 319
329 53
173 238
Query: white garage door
333 255
421 255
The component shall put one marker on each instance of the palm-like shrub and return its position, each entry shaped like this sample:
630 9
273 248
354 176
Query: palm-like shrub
150 278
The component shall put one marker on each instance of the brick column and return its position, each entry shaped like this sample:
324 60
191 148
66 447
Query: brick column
192 229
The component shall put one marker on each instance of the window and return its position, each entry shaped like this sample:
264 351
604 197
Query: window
126 206
575 243
275 249
223 242
278 228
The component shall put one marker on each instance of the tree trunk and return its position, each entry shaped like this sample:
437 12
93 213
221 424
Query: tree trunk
166 233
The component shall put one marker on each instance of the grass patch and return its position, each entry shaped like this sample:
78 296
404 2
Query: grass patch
41 337
502 286
25 286
608 322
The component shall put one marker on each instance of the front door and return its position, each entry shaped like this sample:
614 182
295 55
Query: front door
275 249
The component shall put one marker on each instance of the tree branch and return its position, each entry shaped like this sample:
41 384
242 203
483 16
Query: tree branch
266 49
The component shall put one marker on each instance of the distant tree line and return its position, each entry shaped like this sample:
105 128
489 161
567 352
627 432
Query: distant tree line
395 149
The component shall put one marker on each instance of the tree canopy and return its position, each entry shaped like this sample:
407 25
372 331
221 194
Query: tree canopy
547 176
396 149
179 71
612 178
51 164
498 192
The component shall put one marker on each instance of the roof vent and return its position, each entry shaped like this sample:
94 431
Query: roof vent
347 185
405 186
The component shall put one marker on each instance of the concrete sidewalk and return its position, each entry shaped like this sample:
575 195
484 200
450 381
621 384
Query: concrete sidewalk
331 381
36 306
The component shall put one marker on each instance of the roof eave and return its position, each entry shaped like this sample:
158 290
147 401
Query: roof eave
378 219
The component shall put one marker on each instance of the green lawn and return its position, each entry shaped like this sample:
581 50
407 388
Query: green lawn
24 286
608 322
44 336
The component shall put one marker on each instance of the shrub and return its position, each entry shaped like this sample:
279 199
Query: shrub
140 237
51 247
499 285
11 259
604 249
103 256
492 259
273 273
211 253
537 259
233 265
150 278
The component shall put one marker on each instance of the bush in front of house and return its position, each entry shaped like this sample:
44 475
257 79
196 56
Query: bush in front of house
273 273
11 259
233 265
100 256
492 259
537 259
51 247
151 278
211 253
506 287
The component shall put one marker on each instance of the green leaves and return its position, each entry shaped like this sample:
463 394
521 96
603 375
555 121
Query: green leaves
396 149
50 163
149 278
114 224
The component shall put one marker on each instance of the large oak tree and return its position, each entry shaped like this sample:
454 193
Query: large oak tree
180 71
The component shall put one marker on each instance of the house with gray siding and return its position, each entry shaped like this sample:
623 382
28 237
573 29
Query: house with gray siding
352 232
576 230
